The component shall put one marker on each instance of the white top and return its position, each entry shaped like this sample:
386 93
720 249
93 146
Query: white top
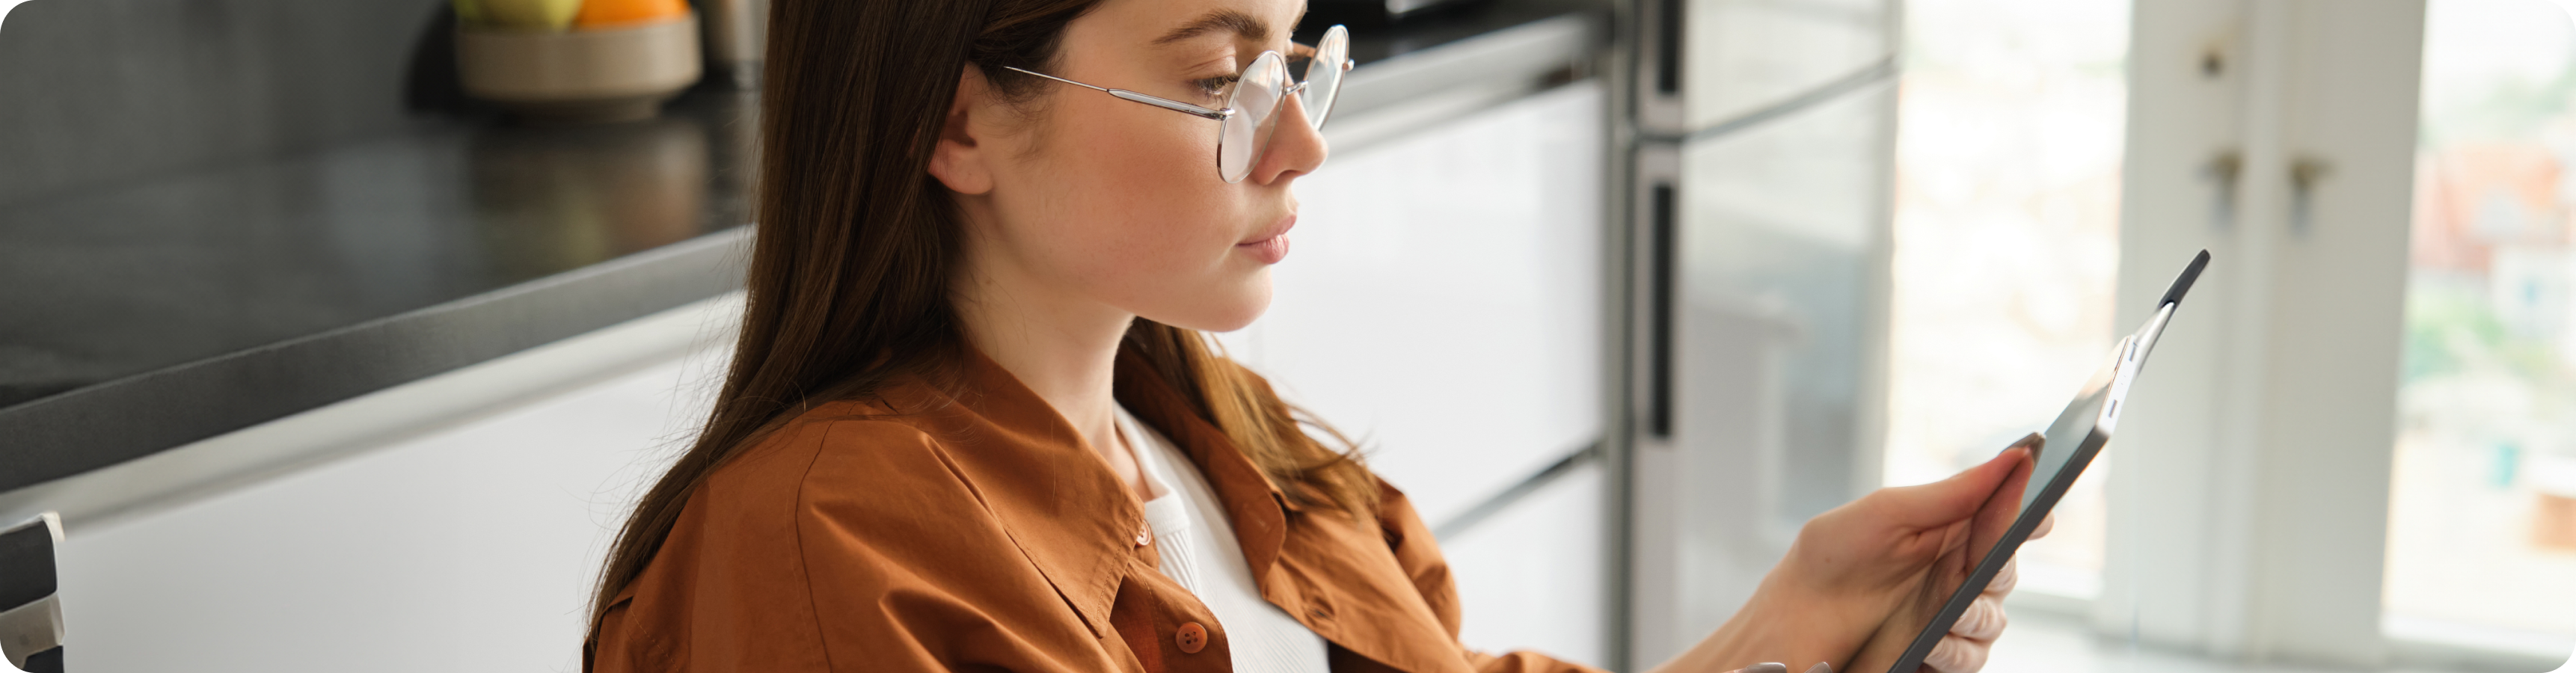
1199 551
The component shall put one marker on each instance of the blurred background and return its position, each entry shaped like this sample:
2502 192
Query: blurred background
340 336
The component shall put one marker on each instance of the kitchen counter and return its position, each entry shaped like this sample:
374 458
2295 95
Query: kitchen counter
152 314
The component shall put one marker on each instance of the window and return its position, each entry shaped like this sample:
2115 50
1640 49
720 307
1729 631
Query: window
2483 501
2008 159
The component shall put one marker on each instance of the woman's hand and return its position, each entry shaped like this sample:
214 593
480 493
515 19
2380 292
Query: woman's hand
1964 649
1957 526
1863 579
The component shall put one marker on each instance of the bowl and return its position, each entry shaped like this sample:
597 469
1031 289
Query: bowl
608 74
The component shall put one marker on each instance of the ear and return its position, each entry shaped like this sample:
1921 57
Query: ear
959 161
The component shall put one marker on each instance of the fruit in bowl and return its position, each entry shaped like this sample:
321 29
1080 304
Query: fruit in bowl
576 60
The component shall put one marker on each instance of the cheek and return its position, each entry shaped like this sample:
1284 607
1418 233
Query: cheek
1145 187
1135 214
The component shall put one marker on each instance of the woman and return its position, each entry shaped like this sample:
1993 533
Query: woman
973 422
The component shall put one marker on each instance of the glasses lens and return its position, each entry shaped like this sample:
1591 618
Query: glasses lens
1255 102
1324 74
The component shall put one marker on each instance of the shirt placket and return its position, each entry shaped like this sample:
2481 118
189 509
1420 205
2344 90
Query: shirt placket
1182 632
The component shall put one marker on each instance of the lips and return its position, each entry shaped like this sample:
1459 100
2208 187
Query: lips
1271 244
1275 230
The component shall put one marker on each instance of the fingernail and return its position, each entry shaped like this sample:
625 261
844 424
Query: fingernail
1764 668
1821 667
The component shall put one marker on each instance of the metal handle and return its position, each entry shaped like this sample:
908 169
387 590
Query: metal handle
2223 170
1668 48
2305 173
1666 239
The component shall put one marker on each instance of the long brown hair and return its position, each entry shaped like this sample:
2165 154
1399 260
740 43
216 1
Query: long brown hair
849 274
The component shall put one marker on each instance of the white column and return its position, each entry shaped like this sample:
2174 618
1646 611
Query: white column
2249 510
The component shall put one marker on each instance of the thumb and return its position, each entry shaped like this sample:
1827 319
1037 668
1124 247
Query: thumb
1956 498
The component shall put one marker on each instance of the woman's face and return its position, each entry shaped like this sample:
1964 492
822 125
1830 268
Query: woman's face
1090 197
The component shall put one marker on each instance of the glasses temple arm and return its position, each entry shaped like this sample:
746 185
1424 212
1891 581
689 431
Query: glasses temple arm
1026 71
1169 104
1156 101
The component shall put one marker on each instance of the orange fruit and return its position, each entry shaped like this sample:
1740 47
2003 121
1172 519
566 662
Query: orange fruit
598 13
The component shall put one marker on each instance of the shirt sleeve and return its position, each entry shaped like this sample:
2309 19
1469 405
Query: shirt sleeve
1419 552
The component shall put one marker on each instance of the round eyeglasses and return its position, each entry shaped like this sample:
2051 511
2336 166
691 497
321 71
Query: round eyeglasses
1252 105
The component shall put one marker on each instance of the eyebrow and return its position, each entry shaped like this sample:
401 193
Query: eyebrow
1220 20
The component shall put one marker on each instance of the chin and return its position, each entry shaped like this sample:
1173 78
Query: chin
1231 325
1227 313
1216 321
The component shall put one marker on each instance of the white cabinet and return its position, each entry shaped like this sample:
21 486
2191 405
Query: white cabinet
1443 301
468 548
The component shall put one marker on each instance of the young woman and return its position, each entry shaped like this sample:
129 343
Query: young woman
973 422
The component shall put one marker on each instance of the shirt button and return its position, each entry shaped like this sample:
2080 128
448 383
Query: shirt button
1191 638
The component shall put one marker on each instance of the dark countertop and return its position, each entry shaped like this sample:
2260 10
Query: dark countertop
147 315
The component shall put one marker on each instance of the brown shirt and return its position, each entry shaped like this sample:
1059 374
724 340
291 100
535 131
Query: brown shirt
974 530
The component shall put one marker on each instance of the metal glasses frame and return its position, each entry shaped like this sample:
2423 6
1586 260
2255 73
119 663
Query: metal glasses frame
1173 105
1292 89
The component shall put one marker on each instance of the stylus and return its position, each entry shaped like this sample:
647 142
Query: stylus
2181 285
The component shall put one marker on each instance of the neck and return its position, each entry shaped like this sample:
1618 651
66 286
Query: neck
1064 347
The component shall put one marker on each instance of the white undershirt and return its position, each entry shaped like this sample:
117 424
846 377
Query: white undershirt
1198 550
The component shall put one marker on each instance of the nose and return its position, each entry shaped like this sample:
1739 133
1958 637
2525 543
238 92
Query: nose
1296 148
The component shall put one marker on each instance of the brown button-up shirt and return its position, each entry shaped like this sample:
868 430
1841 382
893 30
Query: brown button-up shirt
973 529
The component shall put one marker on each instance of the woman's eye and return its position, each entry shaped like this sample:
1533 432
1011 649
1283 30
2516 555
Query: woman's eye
1216 85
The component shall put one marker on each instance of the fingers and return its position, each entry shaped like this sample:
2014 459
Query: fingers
2046 524
2005 579
1956 498
1964 649
1957 655
1983 621
1996 515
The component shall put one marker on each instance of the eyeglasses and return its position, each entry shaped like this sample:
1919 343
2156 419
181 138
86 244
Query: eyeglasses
1252 107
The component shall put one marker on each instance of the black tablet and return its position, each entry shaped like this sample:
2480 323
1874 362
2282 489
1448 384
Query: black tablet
2078 434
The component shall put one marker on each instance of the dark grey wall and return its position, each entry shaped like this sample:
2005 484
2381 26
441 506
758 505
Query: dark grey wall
95 92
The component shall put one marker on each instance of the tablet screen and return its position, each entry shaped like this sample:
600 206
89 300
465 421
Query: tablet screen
2069 432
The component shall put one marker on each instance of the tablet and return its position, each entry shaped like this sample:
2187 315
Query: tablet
2078 434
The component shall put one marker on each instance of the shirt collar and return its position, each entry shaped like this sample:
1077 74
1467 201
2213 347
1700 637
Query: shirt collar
988 409
1059 501
1253 503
